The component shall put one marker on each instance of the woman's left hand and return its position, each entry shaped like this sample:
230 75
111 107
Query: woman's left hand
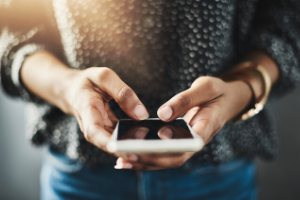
207 105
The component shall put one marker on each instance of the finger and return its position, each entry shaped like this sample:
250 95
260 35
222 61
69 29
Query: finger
111 114
108 123
109 129
203 130
206 123
93 129
173 160
110 83
203 90
123 164
92 110
112 119
190 114
92 100
128 157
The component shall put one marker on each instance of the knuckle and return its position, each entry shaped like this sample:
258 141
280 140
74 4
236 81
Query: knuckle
184 100
91 69
209 83
124 94
104 72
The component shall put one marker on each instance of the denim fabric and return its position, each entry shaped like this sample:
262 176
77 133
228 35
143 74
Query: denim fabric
62 178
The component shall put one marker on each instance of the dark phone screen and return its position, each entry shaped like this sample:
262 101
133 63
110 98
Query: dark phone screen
148 130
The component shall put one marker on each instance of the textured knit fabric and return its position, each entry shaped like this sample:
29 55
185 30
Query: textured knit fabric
157 47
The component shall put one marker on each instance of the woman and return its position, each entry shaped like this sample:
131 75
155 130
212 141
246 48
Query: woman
84 65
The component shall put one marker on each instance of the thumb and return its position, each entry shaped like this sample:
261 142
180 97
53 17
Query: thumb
202 91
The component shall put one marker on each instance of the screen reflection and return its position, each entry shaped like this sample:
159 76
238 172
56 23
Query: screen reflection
153 130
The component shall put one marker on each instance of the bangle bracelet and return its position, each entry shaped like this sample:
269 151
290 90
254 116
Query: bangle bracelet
267 88
256 105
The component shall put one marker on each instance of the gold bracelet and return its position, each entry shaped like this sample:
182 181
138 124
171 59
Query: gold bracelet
257 104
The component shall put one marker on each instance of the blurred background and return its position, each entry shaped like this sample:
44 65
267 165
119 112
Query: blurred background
20 162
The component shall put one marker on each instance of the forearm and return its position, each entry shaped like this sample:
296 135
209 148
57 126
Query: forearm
267 62
241 92
47 77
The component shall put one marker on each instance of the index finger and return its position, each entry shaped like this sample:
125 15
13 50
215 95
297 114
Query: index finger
94 130
110 84
203 90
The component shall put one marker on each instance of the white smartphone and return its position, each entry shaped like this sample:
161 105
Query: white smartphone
154 136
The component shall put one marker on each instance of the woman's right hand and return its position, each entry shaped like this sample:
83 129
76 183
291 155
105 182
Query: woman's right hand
82 93
87 99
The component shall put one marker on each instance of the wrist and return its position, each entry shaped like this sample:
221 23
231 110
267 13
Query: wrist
239 96
254 79
65 90
258 80
47 77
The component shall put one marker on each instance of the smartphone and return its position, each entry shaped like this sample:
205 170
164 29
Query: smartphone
154 136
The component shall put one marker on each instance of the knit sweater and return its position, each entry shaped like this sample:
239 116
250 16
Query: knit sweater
158 48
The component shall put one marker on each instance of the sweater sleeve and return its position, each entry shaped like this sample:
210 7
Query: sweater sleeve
276 31
25 27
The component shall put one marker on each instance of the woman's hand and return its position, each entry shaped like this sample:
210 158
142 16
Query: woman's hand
87 99
207 105
82 93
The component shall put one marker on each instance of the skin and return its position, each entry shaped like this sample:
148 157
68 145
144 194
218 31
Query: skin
85 94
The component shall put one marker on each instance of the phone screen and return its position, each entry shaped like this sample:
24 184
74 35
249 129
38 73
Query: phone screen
153 130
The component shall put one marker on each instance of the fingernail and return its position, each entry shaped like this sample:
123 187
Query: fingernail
119 161
118 167
165 113
141 133
165 133
123 166
141 112
132 157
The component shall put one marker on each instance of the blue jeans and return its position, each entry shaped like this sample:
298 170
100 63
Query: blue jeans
62 178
